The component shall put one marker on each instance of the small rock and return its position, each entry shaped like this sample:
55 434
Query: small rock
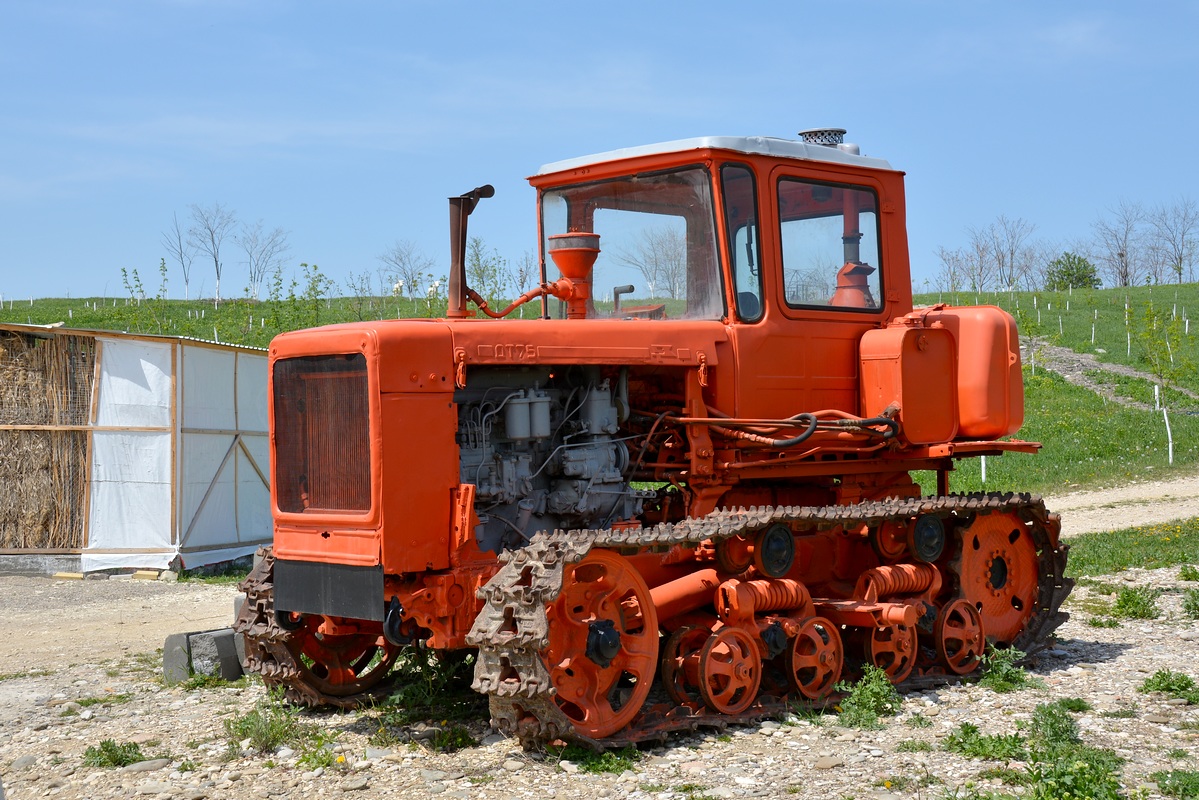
828 762
932 711
319 771
285 752
154 787
569 767
432 775
493 738
512 765
23 763
354 784
377 752
1158 718
147 766
1177 701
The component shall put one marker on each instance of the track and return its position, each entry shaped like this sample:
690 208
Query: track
512 630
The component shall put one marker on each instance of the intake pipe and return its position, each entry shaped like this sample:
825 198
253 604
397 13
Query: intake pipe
460 208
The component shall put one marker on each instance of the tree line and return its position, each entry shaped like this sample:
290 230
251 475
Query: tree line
1129 245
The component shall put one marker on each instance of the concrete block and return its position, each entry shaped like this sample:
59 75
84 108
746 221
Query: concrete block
201 653
239 640
215 653
69 576
176 659
146 575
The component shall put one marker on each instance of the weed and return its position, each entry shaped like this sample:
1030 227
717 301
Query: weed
1119 713
1137 602
201 681
919 721
187 765
1177 753
613 761
724 737
1188 573
968 741
1103 622
481 780
1079 772
1178 684
1190 603
1075 704
111 699
654 788
452 739
1006 775
268 725
1100 587
1182 784
429 686
1052 727
31 673
110 754
913 746
224 574
1001 674
871 697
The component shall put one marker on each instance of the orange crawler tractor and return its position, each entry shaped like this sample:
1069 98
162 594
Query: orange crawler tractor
682 494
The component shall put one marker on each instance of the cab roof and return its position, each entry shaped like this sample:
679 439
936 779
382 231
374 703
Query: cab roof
751 145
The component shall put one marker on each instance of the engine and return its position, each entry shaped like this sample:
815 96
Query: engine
543 450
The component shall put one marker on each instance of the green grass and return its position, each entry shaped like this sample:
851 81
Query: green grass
109 699
589 761
969 741
913 746
1188 573
109 754
1001 674
1190 603
1181 784
872 696
1176 684
1151 547
1137 602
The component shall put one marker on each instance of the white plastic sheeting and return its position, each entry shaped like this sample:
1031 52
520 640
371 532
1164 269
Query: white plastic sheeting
179 455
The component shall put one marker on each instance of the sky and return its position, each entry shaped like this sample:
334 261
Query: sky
349 124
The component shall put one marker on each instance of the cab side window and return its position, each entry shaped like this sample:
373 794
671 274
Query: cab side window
830 245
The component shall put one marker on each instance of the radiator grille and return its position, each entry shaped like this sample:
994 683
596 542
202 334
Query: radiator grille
322 434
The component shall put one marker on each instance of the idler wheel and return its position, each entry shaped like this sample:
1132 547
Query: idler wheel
958 632
730 670
734 555
815 658
774 551
603 600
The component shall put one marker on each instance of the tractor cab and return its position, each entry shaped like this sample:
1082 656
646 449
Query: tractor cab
723 228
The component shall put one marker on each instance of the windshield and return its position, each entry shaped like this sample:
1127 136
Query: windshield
657 244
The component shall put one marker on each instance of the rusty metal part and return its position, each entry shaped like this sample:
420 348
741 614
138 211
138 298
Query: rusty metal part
730 671
511 630
688 593
892 649
958 634
815 658
680 663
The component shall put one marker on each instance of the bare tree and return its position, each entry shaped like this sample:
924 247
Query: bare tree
403 261
175 241
1176 237
265 251
207 234
526 272
661 258
1006 242
977 264
1120 243
949 277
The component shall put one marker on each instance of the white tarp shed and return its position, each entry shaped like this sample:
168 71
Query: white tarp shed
179 461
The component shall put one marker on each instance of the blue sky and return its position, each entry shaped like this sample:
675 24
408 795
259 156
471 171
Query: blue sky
349 124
